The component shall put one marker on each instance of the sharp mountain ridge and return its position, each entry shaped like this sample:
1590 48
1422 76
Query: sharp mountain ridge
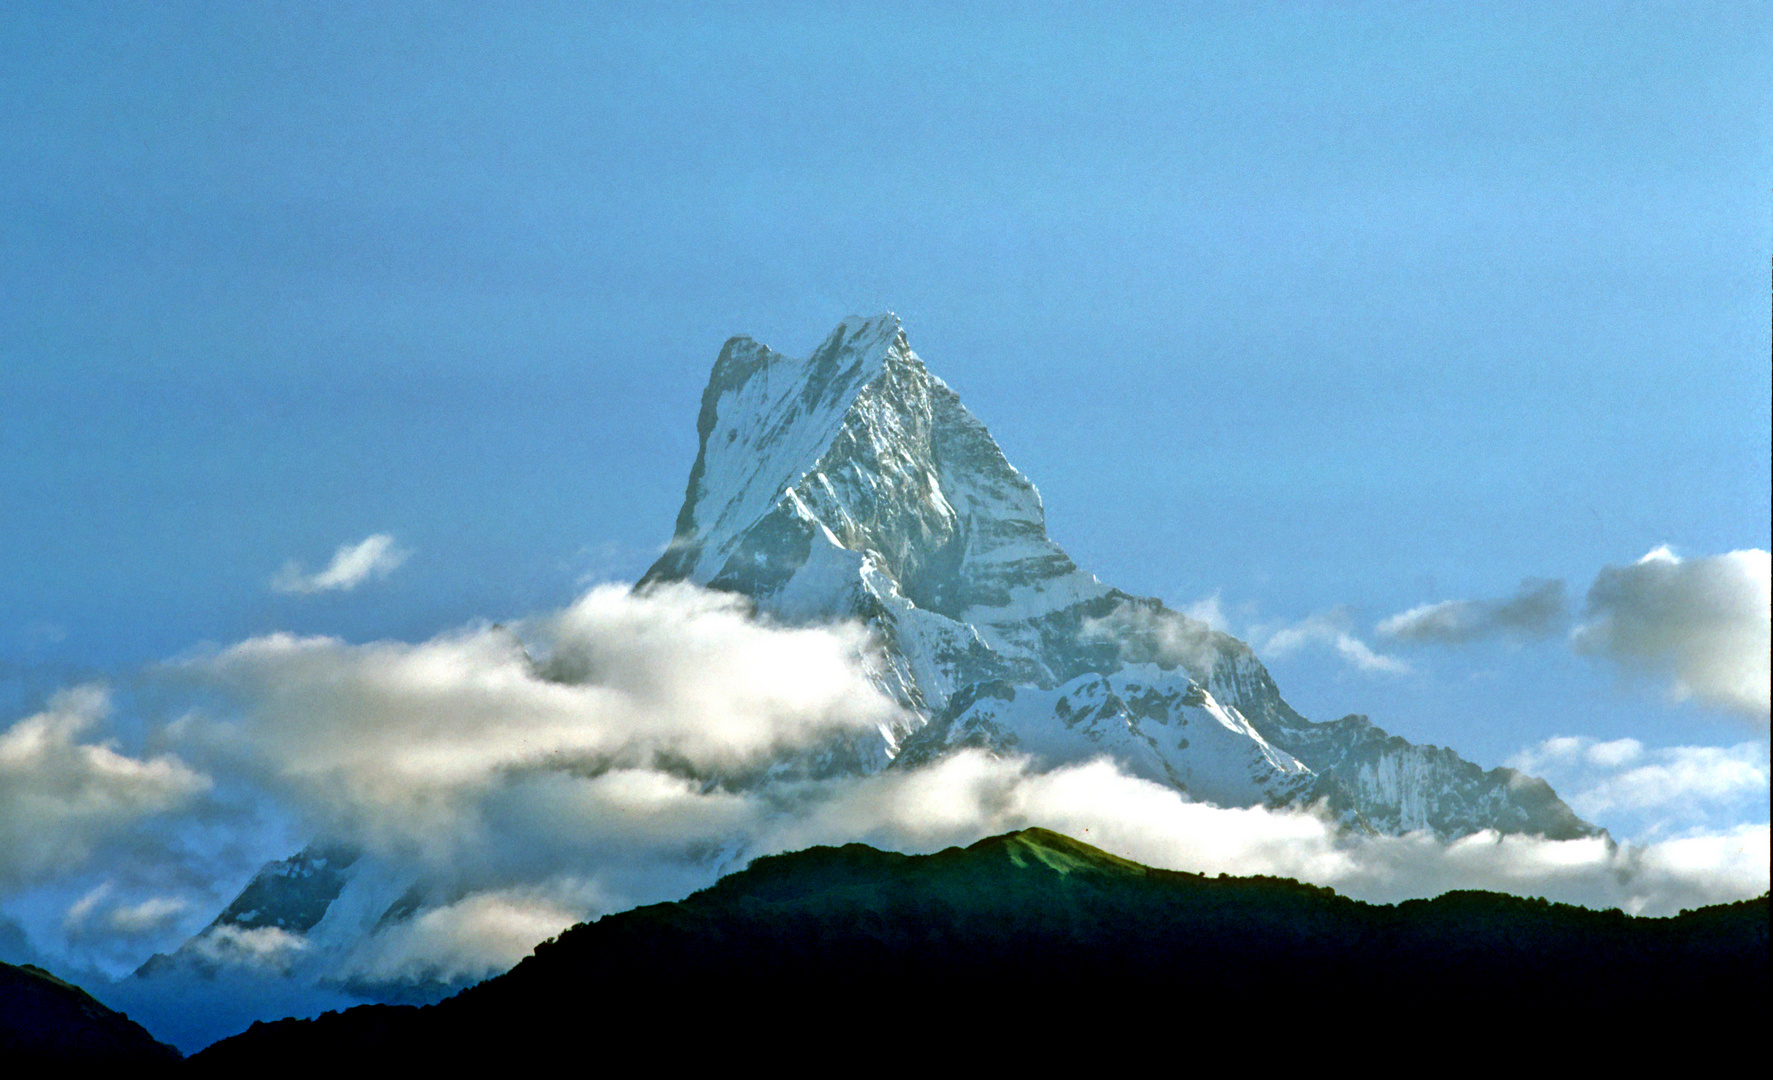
853 484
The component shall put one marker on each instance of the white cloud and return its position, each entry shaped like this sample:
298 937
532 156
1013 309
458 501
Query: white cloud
646 837
260 948
81 910
1535 610
473 938
1209 611
62 799
621 765
971 795
1682 774
352 565
398 744
1327 628
1669 790
1702 623
149 916
1717 867
1618 752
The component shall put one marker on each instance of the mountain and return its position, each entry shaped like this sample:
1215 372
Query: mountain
854 484
44 1019
1032 946
302 918
268 921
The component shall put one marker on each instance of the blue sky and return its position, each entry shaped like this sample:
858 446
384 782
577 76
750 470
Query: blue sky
1303 315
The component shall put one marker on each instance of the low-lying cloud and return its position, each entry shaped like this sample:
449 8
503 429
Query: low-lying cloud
397 745
472 938
352 564
505 782
1536 610
648 837
1702 624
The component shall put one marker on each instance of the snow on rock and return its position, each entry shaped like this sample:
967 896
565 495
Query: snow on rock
854 484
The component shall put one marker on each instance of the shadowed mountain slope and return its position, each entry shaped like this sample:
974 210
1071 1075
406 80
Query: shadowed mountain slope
46 1019
1031 935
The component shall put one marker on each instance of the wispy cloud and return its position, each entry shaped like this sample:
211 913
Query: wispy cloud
1326 628
1144 634
1701 623
99 912
1211 612
1668 790
1536 610
352 564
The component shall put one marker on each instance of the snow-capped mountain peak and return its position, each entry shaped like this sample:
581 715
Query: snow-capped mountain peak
854 484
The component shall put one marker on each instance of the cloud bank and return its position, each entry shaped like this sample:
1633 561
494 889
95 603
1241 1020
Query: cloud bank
399 746
1700 623
352 564
517 779
639 836
506 782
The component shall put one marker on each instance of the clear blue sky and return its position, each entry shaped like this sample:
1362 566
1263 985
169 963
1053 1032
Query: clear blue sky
1326 310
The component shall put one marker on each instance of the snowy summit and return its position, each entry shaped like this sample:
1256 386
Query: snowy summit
853 484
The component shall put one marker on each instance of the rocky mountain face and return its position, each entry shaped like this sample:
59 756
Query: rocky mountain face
266 924
854 484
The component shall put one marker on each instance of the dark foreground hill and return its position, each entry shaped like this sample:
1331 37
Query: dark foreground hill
44 1019
1033 940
